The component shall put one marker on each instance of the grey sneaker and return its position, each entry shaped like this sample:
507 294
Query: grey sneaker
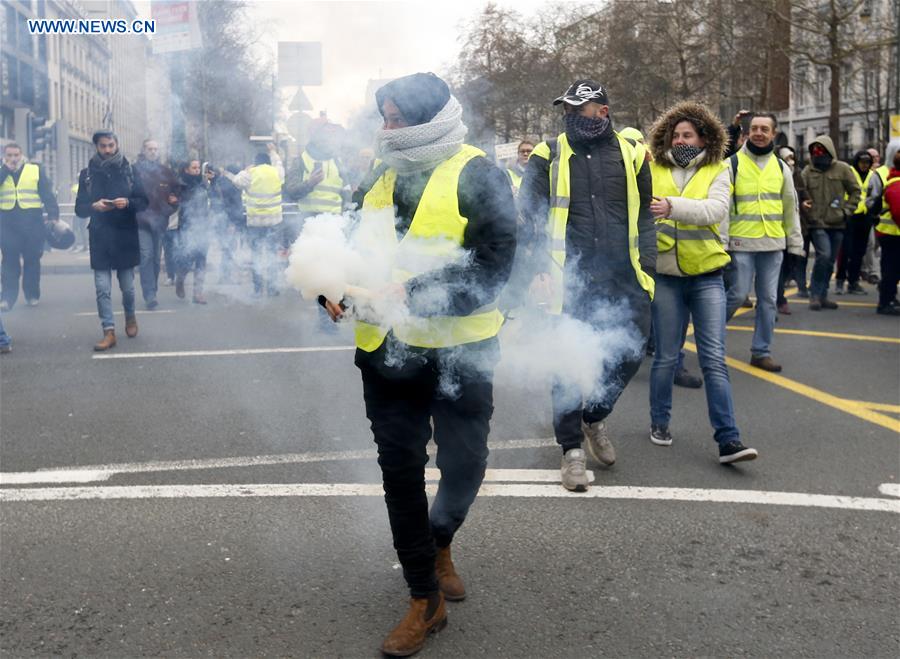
597 442
660 435
574 470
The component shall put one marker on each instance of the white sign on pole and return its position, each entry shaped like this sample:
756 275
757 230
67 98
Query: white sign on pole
177 27
506 151
299 63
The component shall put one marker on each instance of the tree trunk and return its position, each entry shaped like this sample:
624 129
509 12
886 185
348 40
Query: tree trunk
834 115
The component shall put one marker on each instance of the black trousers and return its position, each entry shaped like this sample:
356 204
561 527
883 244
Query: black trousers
603 312
451 391
890 269
853 249
21 246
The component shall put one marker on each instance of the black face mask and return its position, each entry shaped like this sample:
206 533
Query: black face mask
760 150
822 162
682 154
585 129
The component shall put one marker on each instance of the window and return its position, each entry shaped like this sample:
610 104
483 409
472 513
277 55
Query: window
42 47
25 44
11 22
10 77
26 75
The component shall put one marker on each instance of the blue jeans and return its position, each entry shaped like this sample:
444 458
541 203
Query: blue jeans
5 339
103 285
703 297
767 266
151 243
827 242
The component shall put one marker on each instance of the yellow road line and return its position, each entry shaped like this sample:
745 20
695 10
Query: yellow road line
829 335
869 305
880 407
848 406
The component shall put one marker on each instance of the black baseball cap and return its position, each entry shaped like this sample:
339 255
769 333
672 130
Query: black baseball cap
583 91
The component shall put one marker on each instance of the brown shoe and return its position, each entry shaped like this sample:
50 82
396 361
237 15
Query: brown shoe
828 304
784 309
766 363
450 584
815 305
131 328
409 636
179 286
108 341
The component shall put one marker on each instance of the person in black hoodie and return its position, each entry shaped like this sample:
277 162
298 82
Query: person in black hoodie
856 236
227 209
193 231
111 194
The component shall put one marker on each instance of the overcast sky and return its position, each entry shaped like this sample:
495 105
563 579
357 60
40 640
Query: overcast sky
372 40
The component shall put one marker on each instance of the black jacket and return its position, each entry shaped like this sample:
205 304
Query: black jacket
226 203
113 234
158 182
194 229
486 201
45 191
597 229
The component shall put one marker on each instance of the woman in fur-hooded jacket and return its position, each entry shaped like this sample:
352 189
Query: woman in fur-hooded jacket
691 196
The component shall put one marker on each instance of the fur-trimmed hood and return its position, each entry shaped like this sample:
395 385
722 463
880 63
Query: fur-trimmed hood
708 126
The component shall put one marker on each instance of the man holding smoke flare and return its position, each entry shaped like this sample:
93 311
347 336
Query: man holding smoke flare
446 216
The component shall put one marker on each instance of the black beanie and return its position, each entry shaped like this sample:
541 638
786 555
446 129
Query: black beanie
419 96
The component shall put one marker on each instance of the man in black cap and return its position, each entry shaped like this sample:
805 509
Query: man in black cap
586 195
447 216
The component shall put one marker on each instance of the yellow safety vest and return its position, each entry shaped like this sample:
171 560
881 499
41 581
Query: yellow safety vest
263 197
757 211
863 185
25 193
560 186
515 179
433 240
326 196
698 249
883 172
886 224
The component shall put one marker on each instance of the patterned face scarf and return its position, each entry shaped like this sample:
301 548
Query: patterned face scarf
683 154
423 146
584 129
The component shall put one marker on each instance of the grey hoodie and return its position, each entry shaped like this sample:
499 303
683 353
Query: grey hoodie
876 185
834 193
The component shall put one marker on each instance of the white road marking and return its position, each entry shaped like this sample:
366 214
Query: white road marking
220 353
890 489
513 475
45 475
122 313
796 499
58 476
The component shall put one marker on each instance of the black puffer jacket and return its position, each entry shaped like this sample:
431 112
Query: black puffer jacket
597 229
113 234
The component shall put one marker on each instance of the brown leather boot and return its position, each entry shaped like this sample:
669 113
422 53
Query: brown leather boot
108 341
131 328
409 636
448 581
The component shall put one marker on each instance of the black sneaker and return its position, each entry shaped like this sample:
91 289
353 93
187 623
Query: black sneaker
684 379
736 452
888 310
660 435
856 289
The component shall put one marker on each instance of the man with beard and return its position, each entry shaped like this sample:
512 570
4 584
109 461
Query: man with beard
763 222
111 195
587 196
432 199
161 184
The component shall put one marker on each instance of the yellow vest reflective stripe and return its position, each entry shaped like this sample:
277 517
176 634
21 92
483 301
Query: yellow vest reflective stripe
886 224
863 185
25 193
560 187
433 240
697 249
758 211
326 196
263 197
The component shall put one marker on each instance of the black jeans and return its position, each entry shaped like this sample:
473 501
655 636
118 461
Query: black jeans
453 390
21 245
853 249
890 269
569 406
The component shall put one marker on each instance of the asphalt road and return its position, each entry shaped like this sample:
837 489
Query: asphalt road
178 542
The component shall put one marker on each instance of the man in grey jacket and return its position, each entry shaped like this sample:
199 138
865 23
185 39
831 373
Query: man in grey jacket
764 220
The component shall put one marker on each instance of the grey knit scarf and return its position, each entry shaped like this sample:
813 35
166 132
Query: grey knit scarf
425 146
